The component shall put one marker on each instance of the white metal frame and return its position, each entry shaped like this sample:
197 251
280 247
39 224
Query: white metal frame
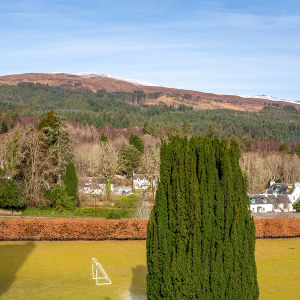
99 274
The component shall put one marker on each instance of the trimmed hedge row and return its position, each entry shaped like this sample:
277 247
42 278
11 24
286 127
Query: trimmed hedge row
53 229
277 227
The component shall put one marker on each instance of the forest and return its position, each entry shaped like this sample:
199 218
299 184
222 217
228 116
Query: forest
127 109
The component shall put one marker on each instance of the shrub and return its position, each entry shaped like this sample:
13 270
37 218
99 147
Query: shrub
128 202
61 199
11 195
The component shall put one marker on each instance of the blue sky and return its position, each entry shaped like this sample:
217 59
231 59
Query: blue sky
243 47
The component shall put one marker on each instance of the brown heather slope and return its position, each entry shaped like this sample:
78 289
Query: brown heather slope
173 96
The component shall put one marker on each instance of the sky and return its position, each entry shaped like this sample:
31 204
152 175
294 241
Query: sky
225 47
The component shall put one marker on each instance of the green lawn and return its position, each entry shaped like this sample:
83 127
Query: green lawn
62 270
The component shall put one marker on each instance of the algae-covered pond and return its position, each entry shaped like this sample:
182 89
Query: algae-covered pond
62 270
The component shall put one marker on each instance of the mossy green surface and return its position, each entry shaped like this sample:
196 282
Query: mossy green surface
62 270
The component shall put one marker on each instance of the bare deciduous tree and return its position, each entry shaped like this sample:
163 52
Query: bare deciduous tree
10 153
37 166
150 166
105 161
261 167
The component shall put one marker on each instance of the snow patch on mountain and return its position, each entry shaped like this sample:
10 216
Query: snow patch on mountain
133 81
271 98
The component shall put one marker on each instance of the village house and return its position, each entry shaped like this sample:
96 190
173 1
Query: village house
292 191
270 203
141 181
278 197
95 185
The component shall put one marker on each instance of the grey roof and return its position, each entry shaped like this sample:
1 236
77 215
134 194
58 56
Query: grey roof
280 188
139 176
269 199
279 199
259 199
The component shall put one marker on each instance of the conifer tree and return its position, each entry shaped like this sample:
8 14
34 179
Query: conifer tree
137 142
71 181
200 236
4 127
104 138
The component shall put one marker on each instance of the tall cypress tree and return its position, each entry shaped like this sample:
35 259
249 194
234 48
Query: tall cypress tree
71 181
201 237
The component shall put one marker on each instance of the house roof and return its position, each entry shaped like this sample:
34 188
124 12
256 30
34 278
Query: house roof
281 188
259 199
269 199
139 176
142 176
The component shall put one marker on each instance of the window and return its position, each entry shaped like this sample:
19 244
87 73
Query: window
263 209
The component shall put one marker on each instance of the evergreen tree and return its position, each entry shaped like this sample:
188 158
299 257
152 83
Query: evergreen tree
146 129
186 128
137 142
285 147
4 127
104 138
71 181
200 236
131 159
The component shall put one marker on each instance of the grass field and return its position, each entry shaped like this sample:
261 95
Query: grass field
62 270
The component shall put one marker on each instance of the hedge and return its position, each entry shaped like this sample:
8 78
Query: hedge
65 229
277 227
53 229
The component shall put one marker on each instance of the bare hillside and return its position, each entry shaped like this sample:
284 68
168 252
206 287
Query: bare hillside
170 95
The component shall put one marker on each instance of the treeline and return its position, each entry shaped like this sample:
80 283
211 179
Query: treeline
102 107
36 166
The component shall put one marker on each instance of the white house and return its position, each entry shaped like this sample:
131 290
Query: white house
260 203
292 191
270 203
95 185
141 181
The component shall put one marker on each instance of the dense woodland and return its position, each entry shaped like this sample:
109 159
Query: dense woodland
103 125
116 109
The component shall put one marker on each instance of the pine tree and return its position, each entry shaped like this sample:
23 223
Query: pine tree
104 138
4 127
137 142
201 237
146 129
71 181
186 128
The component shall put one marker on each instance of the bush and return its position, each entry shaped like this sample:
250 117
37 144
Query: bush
128 202
12 195
61 199
114 214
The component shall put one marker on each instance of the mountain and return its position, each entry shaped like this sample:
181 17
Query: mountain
168 95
